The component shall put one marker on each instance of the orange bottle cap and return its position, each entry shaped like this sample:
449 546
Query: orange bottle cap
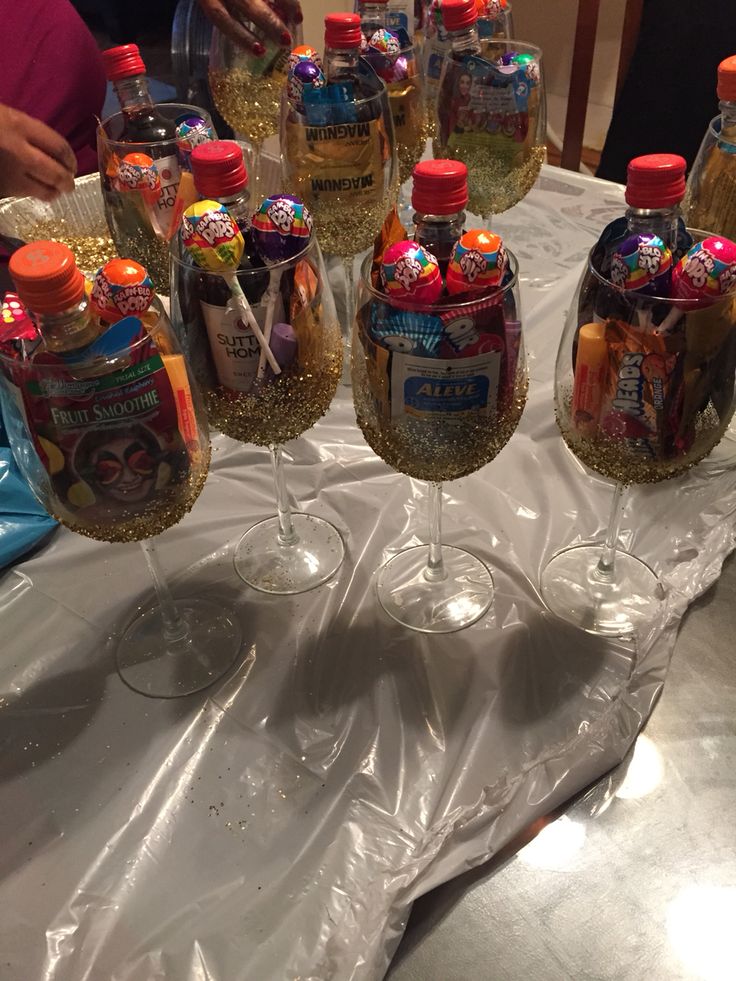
46 277
727 80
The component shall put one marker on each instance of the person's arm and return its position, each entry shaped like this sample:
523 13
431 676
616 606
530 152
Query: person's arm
270 17
34 159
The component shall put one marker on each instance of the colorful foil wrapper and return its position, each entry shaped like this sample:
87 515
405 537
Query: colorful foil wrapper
281 228
121 288
212 237
643 263
192 131
385 42
303 73
478 262
15 321
409 272
406 331
707 270
138 172
304 52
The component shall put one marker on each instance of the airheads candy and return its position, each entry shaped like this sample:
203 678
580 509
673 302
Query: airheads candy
478 262
707 270
281 227
410 272
642 263
212 237
121 288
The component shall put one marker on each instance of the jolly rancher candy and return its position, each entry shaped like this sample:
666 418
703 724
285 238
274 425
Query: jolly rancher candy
642 263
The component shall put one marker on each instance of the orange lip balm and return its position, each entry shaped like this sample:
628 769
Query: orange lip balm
591 364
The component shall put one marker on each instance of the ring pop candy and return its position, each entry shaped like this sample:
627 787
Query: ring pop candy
708 269
304 52
478 262
409 272
121 288
643 263
281 227
212 238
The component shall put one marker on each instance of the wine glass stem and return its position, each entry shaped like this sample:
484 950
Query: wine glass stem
175 629
287 535
607 562
348 263
435 571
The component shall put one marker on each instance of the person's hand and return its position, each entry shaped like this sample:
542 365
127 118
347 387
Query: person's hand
34 159
269 16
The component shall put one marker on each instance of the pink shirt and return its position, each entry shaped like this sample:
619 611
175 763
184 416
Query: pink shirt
52 70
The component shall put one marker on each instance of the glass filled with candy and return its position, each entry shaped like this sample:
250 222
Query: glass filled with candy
439 386
644 389
147 183
257 321
491 111
107 425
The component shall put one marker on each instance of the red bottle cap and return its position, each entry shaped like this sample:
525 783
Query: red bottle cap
656 180
458 14
46 277
727 80
342 31
440 187
218 169
123 62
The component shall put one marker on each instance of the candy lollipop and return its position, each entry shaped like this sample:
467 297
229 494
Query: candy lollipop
281 229
304 52
707 270
409 272
643 263
213 239
478 262
138 172
303 73
122 288
190 132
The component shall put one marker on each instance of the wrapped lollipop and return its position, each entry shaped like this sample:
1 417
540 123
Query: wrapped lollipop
281 229
121 288
643 263
138 172
707 270
303 73
190 132
411 273
304 52
478 262
212 238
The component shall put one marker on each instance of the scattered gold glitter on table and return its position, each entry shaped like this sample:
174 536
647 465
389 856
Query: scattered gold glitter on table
434 450
167 509
284 408
91 251
251 104
614 458
495 184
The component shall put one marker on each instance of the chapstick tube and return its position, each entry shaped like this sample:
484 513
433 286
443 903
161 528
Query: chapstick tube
591 364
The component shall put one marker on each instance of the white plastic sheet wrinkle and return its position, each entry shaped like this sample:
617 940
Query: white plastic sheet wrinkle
281 827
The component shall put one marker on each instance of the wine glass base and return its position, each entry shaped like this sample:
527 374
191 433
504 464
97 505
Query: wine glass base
266 564
574 590
153 667
413 600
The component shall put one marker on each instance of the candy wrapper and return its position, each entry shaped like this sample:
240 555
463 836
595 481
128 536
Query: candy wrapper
302 74
138 172
304 52
281 228
707 271
212 237
392 231
191 131
15 322
642 263
122 287
411 273
478 263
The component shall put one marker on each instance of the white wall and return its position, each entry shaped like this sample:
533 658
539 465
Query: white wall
551 25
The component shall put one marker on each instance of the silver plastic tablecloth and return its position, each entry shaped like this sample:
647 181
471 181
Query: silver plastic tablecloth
281 827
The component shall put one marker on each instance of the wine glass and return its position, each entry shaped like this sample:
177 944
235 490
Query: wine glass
115 445
144 201
246 88
341 160
292 552
709 200
438 392
644 389
406 98
494 119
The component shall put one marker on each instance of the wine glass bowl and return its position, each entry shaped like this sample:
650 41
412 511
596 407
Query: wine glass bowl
709 199
344 168
498 130
406 98
438 392
247 401
142 219
644 390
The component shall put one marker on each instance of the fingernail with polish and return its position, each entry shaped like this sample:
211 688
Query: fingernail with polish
286 39
258 49
299 17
